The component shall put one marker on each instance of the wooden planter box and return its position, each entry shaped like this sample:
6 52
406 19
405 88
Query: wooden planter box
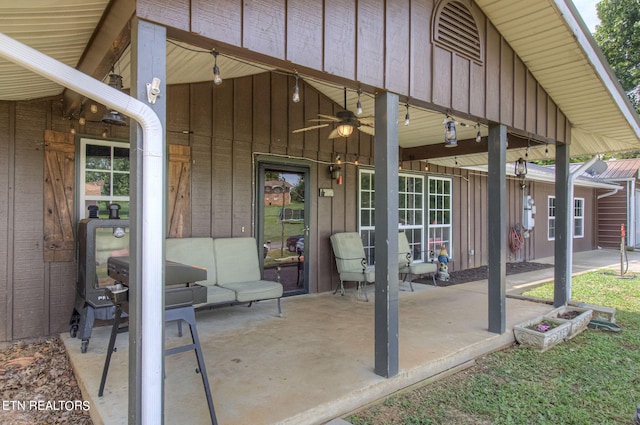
578 323
542 340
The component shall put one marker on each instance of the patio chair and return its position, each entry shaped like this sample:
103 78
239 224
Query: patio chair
351 261
410 268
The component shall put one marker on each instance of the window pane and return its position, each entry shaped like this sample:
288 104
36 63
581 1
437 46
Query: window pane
120 159
97 183
365 200
364 218
98 157
120 184
366 181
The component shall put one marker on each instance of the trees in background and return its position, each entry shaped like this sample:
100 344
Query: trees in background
618 35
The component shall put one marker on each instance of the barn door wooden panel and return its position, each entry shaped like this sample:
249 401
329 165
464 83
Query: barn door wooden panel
59 166
179 191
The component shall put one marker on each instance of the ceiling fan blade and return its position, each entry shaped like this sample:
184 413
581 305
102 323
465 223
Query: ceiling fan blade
370 121
313 127
322 120
330 117
334 134
367 130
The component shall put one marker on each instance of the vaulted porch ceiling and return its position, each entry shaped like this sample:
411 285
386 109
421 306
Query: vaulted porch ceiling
560 54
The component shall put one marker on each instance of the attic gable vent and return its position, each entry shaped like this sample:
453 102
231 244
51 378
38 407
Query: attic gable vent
455 29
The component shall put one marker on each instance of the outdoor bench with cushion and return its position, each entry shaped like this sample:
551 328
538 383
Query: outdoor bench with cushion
233 269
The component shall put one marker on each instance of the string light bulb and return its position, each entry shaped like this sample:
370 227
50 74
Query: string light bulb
356 162
82 121
478 135
426 166
93 108
546 151
296 91
455 158
217 79
358 104
73 129
407 118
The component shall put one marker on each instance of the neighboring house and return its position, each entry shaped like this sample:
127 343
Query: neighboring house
619 208
519 80
277 192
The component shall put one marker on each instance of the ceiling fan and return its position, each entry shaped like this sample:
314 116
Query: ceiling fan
344 121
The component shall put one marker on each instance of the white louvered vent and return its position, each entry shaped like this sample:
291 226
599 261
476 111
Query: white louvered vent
456 30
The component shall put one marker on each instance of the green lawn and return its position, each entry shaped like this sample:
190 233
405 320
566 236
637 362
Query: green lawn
592 379
277 231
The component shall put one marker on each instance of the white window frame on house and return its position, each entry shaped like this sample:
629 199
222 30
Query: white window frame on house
439 216
110 198
411 211
551 218
578 217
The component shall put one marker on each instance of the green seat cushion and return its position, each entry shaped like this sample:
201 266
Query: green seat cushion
255 290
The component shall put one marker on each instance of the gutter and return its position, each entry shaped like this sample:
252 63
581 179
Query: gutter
152 344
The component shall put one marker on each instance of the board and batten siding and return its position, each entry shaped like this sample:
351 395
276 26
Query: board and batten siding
373 44
612 213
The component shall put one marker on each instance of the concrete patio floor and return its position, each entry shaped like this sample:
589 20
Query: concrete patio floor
315 363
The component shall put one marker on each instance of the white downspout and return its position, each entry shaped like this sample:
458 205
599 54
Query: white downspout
572 178
152 205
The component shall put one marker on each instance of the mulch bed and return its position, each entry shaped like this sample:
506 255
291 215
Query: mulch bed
481 273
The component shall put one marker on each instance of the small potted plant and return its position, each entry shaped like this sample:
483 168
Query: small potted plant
542 333
578 316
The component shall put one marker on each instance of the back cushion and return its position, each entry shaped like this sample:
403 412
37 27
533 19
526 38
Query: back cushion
403 249
236 260
194 252
348 250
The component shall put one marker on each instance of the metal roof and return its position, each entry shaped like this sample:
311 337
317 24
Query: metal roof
547 174
621 169
547 35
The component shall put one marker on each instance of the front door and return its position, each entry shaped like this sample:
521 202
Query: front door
283 224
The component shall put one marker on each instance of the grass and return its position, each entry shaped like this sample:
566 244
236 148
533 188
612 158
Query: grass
592 379
277 232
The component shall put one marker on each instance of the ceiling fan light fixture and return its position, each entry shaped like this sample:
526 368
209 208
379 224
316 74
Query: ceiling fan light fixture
344 130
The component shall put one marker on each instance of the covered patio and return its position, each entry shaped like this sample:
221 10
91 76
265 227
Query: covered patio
306 368
523 87
316 364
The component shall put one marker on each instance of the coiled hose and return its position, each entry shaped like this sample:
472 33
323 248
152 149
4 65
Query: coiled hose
516 239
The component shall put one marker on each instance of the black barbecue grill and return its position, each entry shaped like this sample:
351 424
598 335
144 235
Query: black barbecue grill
181 293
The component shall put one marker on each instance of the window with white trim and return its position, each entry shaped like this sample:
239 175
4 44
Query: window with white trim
440 216
551 218
578 217
410 211
104 176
